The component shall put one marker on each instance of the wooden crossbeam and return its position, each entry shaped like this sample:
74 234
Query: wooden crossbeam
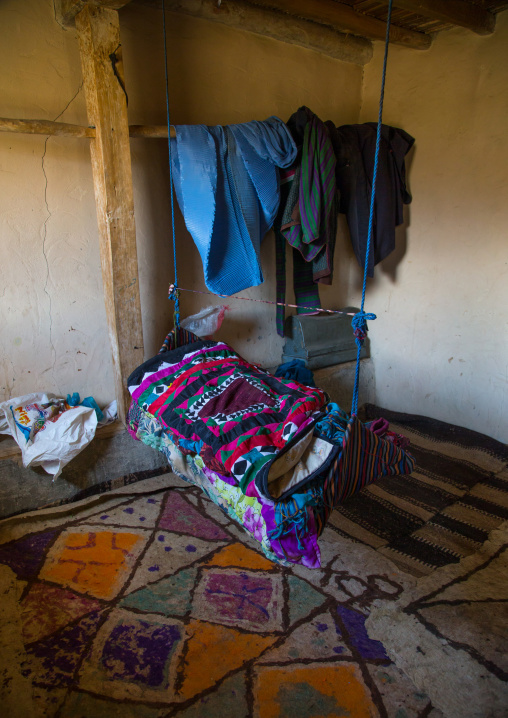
106 101
154 131
344 18
456 12
46 127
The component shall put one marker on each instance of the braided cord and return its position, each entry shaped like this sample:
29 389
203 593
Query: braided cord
175 293
359 322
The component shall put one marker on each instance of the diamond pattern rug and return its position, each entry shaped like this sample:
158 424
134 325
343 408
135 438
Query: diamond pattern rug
152 604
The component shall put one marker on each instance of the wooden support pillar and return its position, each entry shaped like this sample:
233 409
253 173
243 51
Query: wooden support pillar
106 100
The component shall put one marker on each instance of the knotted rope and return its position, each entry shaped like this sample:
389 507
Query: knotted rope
359 321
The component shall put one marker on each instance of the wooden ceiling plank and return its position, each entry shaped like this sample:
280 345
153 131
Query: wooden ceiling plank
455 12
342 17
66 10
106 103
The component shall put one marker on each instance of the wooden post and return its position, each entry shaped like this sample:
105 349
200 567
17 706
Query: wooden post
106 100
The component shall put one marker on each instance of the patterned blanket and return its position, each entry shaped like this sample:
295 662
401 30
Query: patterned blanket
271 465
245 424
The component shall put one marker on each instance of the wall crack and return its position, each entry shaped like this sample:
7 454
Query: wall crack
49 214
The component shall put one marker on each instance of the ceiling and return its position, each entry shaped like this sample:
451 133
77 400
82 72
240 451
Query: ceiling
426 22
340 28
414 22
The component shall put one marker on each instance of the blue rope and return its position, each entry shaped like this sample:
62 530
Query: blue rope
359 322
175 292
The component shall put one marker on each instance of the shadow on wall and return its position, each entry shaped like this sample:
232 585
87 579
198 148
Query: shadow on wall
391 264
153 230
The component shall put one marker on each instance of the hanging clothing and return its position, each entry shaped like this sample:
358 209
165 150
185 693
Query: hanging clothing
305 289
307 217
354 147
313 223
227 185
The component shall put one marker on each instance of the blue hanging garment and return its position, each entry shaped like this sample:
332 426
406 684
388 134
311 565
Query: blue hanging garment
227 185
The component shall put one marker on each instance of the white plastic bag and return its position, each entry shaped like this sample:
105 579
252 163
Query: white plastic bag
109 413
206 322
48 433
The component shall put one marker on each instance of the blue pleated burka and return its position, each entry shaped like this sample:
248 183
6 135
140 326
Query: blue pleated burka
227 185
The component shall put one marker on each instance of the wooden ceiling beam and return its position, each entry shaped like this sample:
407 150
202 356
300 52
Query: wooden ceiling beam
456 12
345 19
285 28
66 10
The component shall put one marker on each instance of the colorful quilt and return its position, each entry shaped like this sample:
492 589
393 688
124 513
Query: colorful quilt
315 469
246 425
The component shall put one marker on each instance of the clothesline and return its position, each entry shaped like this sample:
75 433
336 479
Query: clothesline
314 310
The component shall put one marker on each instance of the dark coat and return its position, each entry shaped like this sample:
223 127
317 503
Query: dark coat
354 147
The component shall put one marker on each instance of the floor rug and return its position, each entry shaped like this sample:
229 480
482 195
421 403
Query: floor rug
450 633
148 602
109 461
445 510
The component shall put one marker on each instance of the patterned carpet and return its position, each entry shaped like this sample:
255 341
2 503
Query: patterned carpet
149 602
146 601
445 510
450 633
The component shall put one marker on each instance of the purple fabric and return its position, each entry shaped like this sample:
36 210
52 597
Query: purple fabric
213 475
238 396
303 549
379 426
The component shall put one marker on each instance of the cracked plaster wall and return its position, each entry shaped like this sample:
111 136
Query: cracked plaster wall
440 344
54 334
51 283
